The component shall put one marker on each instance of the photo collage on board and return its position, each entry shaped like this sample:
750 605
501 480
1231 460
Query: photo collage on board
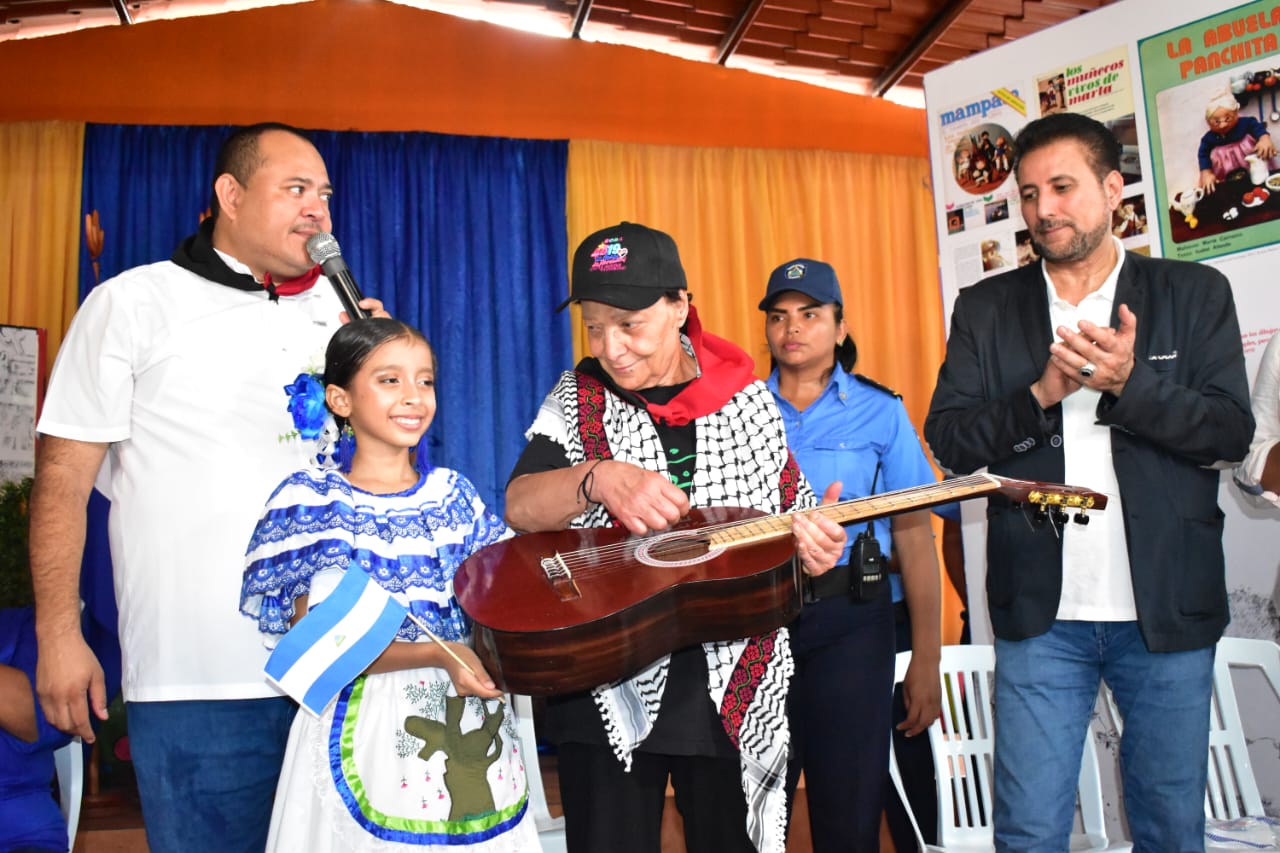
983 218
1213 95
981 197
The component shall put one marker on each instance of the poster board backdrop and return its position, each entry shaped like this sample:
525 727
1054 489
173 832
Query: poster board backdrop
1148 69
21 387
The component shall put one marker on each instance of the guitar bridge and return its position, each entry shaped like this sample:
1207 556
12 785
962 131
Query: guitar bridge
560 578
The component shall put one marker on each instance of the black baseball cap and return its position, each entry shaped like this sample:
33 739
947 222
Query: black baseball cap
628 266
812 278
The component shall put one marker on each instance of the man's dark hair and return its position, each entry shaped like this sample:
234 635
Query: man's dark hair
238 156
1102 149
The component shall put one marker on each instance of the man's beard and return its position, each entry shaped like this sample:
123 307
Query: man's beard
1082 244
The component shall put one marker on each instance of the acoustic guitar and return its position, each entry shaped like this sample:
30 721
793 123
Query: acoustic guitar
572 609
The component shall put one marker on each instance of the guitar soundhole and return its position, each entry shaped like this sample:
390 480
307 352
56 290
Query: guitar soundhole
676 549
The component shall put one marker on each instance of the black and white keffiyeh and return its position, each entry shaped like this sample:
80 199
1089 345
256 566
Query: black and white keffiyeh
742 460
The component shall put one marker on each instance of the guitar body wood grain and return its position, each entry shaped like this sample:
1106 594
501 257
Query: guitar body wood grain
621 613
573 609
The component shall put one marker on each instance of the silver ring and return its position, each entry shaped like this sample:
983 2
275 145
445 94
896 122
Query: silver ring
1087 369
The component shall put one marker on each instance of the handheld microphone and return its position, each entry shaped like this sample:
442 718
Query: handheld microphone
323 249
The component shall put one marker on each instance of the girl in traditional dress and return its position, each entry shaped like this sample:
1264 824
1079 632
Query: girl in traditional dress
421 750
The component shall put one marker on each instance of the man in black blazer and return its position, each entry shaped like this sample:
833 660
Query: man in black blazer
1124 374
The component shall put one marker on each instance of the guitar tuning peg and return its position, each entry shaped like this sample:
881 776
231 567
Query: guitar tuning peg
1081 518
1060 517
1040 516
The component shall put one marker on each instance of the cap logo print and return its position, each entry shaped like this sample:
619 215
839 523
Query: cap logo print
795 271
609 256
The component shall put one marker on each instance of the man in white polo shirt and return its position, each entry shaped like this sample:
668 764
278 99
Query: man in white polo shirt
1125 374
170 382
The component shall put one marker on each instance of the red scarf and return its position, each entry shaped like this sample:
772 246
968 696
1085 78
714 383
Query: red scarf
292 286
725 370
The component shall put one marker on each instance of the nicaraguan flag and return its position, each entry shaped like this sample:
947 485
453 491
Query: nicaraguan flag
335 641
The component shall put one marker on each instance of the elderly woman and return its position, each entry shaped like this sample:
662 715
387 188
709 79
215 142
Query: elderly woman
663 417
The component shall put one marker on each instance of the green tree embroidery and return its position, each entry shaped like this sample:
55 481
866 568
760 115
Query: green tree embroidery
468 756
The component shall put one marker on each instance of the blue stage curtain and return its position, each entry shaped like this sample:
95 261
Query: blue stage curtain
463 237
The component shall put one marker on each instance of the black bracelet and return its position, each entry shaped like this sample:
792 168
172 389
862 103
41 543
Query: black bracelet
584 488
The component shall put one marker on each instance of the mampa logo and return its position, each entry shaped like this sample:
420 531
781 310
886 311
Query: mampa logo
982 106
609 256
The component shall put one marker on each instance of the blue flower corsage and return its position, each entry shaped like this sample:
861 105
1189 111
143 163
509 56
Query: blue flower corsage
306 405
312 421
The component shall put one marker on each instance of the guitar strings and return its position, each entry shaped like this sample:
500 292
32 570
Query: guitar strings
587 562
951 488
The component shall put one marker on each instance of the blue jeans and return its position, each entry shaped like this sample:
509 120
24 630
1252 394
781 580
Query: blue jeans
207 771
1044 697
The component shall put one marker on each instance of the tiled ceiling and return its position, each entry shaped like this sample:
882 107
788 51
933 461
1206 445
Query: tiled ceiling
877 47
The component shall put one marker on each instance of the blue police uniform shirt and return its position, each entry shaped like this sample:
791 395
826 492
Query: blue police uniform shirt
948 512
842 434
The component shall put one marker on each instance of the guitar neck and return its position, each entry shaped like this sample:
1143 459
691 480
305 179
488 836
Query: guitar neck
907 500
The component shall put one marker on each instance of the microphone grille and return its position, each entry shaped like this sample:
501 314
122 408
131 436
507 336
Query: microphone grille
322 246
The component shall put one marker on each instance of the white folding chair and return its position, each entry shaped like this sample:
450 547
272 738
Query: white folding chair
963 742
68 761
1231 791
550 829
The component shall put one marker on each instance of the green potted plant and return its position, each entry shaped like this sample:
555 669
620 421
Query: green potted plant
15 573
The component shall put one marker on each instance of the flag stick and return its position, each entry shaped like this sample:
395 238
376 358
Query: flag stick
443 645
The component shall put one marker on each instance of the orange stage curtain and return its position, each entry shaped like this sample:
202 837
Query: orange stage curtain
736 213
40 170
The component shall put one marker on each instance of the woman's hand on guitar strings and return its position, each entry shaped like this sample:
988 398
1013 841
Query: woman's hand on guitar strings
642 500
819 540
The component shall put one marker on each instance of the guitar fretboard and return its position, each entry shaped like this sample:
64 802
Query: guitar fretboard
861 509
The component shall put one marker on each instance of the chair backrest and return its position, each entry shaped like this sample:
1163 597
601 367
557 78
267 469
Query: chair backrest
1231 790
68 761
550 829
963 742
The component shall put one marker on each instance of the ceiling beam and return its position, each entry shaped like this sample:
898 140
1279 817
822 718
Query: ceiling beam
46 7
738 31
579 17
17 11
916 49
